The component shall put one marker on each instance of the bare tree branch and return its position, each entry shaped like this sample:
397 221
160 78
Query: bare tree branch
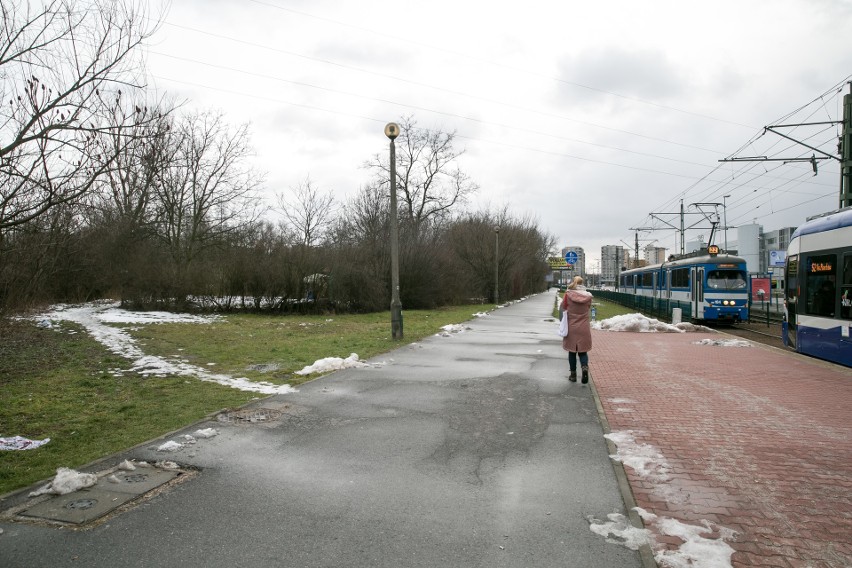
430 182
308 212
63 67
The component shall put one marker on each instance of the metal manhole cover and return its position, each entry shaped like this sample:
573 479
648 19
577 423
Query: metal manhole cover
135 478
249 416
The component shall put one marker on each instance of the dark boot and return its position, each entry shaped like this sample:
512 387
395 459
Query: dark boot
573 377
585 375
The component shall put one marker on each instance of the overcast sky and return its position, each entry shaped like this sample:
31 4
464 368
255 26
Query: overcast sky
587 116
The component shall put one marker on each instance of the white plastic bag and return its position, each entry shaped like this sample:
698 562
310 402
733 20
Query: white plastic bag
563 324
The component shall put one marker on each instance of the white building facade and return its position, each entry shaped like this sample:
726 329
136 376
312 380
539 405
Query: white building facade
614 259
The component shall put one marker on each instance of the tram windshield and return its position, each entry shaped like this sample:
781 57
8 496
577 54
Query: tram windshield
726 280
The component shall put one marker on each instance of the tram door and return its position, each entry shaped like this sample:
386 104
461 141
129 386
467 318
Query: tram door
791 295
697 296
668 284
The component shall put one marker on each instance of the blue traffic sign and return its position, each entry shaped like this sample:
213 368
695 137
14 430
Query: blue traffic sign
571 257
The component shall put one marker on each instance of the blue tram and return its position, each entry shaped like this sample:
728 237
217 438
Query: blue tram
714 286
818 296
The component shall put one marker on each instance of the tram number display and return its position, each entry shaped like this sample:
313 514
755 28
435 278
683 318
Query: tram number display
817 267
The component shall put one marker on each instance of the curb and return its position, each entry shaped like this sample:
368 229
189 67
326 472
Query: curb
645 552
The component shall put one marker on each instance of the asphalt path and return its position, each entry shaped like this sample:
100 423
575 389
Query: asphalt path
467 450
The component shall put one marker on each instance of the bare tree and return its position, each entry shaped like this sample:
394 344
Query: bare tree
139 153
208 191
64 64
429 178
520 259
308 211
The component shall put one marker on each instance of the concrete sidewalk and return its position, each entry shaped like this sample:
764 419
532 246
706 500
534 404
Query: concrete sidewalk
468 450
751 439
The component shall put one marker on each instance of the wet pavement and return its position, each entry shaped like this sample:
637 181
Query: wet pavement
475 450
466 450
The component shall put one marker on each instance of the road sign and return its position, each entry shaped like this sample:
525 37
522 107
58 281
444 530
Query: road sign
557 262
571 257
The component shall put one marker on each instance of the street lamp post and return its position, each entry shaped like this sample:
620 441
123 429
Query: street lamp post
725 219
392 131
497 265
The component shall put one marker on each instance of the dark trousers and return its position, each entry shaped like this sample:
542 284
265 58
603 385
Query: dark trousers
572 360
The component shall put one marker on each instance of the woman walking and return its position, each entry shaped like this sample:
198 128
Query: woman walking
577 302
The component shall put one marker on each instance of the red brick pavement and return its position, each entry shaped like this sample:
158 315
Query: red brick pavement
757 440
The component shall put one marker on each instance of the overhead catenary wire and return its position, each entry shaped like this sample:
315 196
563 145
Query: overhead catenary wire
761 196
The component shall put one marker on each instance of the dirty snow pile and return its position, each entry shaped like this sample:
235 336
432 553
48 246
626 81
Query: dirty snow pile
644 324
330 364
452 328
724 342
187 440
95 316
21 443
704 545
66 481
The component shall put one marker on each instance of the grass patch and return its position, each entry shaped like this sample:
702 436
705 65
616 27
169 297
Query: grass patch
56 384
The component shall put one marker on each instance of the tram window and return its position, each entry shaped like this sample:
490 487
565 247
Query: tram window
820 284
647 279
726 280
680 278
846 288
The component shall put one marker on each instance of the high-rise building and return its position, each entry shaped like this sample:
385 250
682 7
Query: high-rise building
614 259
654 255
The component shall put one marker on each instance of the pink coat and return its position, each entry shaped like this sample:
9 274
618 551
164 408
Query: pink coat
578 303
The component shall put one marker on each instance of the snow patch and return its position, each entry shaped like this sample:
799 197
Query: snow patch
724 342
618 530
703 546
206 433
452 328
21 443
643 324
66 481
644 459
330 364
699 548
94 316
170 446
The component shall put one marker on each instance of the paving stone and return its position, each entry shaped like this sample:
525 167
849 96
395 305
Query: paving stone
756 439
